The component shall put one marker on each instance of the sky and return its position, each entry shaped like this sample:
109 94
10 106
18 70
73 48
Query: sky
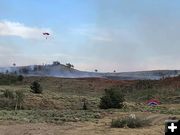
108 35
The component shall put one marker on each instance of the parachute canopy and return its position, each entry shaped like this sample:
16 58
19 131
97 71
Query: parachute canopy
153 102
46 34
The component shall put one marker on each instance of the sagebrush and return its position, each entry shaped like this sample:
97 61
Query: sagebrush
113 98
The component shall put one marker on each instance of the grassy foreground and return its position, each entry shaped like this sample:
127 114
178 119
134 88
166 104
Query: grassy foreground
62 101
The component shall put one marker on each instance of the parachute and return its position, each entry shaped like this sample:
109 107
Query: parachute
46 34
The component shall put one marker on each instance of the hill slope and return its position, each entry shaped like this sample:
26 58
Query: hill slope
61 70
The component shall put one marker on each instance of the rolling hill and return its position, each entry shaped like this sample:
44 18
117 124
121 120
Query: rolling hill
60 70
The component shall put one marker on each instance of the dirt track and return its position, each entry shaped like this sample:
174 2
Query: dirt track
75 129
102 127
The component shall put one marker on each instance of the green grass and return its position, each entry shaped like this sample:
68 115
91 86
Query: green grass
7 79
49 116
159 109
62 100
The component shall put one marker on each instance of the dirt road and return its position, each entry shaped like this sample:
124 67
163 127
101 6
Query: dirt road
102 127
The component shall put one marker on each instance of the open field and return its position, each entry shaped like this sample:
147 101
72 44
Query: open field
58 110
89 67
78 128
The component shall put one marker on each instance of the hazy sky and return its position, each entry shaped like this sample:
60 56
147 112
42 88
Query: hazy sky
121 35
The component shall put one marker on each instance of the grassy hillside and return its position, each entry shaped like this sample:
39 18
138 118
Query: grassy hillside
62 99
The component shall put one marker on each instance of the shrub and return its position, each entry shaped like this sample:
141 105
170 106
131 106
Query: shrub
20 78
85 106
8 94
12 100
112 99
69 65
36 87
7 79
19 99
145 84
129 122
8 102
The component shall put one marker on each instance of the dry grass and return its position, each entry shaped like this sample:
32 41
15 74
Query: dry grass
62 100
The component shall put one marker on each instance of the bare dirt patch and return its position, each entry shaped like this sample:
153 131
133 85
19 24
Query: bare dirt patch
85 128
101 127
